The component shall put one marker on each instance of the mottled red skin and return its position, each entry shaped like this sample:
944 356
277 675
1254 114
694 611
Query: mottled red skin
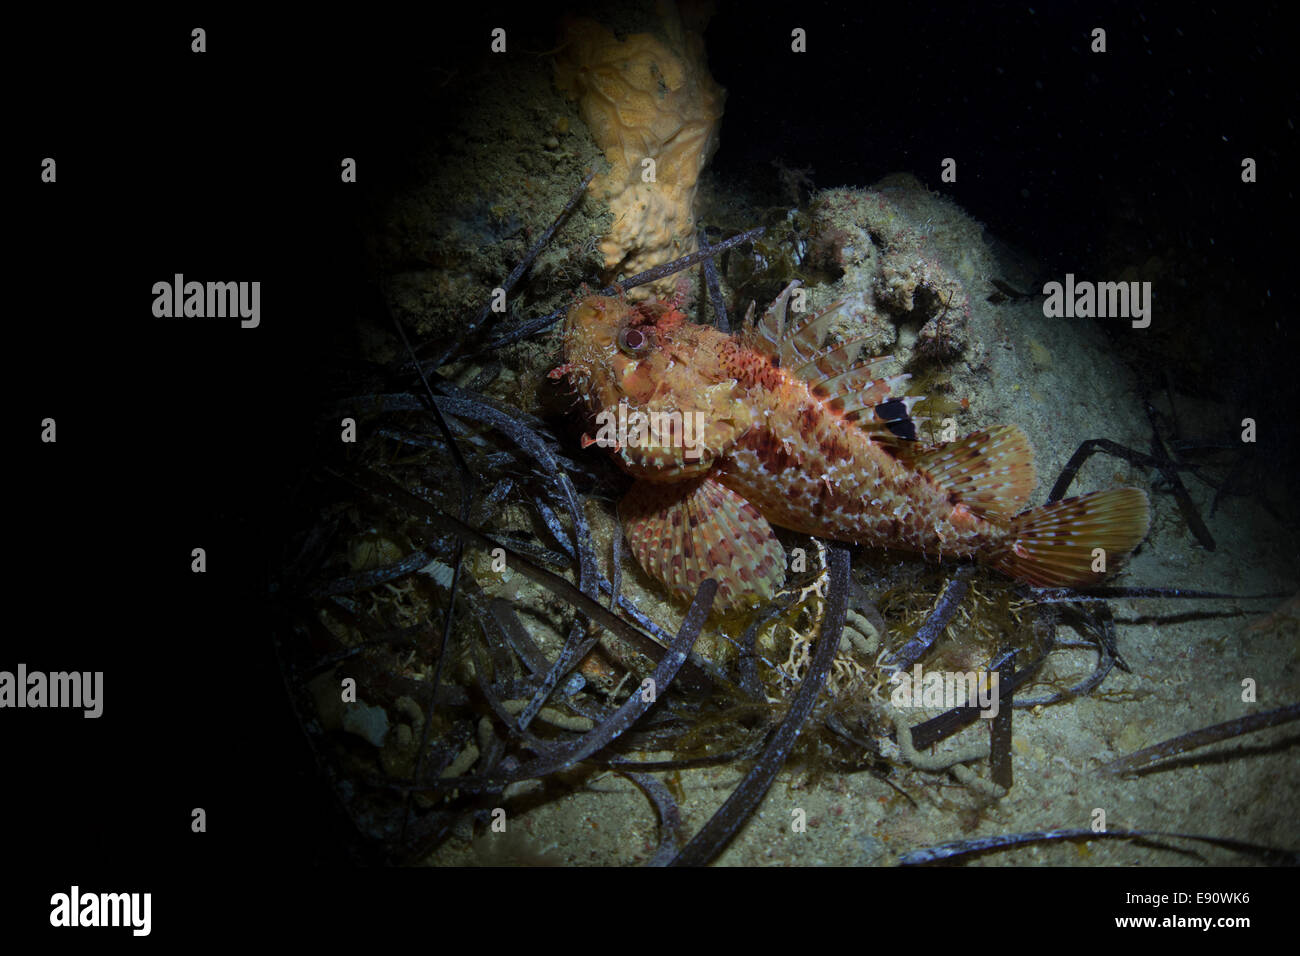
769 437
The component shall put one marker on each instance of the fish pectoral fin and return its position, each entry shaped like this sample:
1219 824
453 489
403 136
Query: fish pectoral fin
683 532
990 471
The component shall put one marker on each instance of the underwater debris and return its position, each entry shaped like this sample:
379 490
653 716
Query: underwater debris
1144 759
1008 293
953 761
711 282
670 817
700 674
1001 771
533 326
562 757
1165 465
1101 627
516 273
744 800
929 632
948 852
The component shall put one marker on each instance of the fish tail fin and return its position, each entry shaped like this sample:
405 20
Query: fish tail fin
1057 545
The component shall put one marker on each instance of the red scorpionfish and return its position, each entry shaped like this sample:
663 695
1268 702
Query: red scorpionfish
728 435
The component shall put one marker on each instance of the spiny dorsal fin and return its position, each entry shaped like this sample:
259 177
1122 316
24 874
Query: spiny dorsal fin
793 339
804 337
835 359
896 415
796 341
768 333
858 389
836 373
886 422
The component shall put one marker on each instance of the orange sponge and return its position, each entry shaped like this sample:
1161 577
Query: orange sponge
645 97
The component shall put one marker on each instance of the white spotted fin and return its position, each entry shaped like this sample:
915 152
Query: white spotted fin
991 471
683 532
1057 545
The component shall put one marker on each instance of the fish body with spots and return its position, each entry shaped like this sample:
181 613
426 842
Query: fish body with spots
733 434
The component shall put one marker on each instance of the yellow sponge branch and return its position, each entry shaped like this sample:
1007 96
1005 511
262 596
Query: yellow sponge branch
644 97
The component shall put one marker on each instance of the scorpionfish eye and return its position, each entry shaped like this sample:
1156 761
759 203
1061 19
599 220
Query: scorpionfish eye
635 341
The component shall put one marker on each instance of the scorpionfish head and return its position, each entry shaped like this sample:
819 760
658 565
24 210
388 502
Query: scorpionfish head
654 375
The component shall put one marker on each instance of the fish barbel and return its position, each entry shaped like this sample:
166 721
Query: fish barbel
728 435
